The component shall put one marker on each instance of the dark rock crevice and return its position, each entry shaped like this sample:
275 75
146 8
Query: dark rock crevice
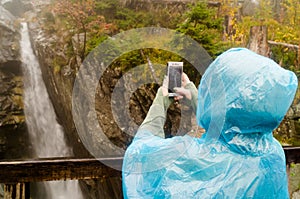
13 66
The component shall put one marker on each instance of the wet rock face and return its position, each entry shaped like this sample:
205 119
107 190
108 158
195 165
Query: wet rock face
9 42
16 7
13 133
11 86
11 101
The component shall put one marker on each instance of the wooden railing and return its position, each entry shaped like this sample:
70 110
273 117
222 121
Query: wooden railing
16 175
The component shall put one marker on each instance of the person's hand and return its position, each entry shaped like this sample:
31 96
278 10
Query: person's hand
182 91
184 79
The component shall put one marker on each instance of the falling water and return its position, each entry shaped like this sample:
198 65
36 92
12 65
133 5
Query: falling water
46 135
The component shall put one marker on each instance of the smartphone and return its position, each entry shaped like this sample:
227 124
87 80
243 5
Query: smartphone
174 76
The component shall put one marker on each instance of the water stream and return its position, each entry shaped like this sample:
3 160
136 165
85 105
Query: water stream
46 135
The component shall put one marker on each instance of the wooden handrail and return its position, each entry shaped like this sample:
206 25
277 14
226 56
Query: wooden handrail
59 169
49 169
16 175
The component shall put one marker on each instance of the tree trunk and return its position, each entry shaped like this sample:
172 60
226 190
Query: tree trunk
258 40
277 9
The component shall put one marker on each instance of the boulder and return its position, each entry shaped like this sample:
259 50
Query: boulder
9 41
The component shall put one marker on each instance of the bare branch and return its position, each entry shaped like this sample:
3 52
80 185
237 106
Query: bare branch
296 47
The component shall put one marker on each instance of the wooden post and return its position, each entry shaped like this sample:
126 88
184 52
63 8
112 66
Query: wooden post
16 191
258 40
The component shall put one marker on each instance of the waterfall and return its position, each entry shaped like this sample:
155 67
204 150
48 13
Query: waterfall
46 135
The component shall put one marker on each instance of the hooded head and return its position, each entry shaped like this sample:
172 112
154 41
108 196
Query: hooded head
243 93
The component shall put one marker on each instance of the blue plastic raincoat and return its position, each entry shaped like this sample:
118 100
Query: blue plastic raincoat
242 98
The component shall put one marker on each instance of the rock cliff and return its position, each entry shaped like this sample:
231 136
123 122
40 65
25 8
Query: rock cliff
13 133
16 7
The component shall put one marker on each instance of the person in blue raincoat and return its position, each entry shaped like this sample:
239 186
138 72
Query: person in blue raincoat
242 98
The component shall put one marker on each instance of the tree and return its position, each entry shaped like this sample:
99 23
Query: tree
292 12
81 18
204 26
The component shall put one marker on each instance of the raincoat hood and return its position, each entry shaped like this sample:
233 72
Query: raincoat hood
243 93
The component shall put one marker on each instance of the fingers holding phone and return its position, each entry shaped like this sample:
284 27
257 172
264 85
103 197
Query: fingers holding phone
176 81
185 79
182 92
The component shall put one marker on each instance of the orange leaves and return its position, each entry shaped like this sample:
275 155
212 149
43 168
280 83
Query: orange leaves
79 13
80 16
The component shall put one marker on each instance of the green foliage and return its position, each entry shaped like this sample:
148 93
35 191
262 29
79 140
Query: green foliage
285 56
292 11
203 25
107 8
57 64
93 42
139 57
127 19
264 10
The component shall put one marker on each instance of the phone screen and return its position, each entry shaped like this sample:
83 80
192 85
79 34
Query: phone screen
174 76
